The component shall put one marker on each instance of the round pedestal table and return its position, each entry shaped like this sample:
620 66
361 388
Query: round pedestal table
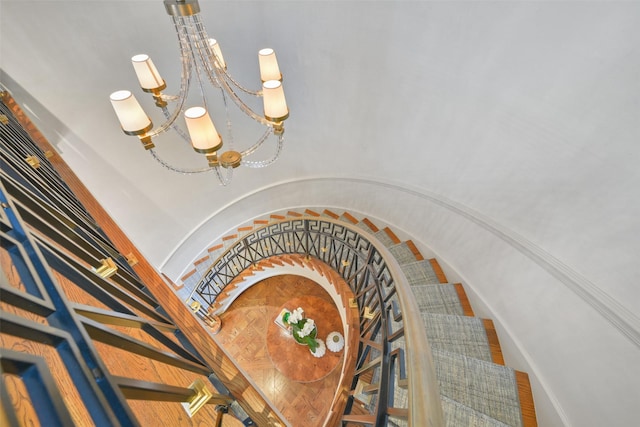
295 361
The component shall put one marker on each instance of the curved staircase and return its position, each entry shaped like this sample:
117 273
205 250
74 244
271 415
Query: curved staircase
476 388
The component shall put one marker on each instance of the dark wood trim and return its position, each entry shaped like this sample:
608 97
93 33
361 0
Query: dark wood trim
189 274
442 278
350 218
392 235
371 225
494 343
414 250
215 248
527 405
201 260
328 213
464 301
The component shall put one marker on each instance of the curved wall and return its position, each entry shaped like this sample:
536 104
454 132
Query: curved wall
577 342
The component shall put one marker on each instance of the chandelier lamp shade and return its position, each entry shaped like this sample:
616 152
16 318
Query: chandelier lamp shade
204 72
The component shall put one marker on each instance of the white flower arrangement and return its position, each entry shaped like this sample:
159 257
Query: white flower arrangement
296 315
308 327
304 330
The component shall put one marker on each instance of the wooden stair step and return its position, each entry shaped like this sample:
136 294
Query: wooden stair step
243 231
372 227
330 214
442 278
494 343
347 217
464 301
527 405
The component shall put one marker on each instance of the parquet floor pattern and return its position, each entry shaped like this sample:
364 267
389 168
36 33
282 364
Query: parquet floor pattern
243 336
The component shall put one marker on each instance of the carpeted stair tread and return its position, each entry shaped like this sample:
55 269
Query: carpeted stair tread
420 272
457 334
441 299
403 253
384 238
485 387
365 227
397 422
457 415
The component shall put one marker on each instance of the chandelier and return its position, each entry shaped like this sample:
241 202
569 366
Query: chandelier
203 63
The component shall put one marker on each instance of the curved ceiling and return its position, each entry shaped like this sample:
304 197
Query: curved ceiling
526 112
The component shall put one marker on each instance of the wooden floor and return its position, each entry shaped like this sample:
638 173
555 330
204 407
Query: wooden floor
243 335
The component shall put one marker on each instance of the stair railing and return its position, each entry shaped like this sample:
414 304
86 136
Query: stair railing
393 353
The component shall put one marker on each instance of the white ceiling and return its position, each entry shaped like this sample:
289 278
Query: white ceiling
489 103
526 112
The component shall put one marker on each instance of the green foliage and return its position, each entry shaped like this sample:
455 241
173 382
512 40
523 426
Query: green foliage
309 340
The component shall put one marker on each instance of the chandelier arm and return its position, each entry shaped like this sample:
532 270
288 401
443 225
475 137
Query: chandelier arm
169 98
205 52
267 162
249 151
185 82
236 99
177 169
215 70
229 122
175 127
208 64
226 178
227 76
199 45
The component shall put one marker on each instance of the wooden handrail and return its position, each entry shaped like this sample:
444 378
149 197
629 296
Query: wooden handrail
425 408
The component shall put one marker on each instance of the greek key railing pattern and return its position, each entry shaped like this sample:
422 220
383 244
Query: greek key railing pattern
381 353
